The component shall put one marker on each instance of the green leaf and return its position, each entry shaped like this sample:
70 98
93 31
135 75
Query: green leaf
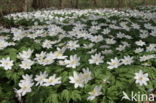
66 95
75 95
52 98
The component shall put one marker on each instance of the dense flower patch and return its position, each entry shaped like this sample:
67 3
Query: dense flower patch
78 56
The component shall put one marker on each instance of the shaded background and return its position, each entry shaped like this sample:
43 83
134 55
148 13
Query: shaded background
8 6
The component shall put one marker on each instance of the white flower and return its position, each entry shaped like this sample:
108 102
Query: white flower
80 79
124 25
148 26
26 64
61 62
72 45
73 62
58 54
18 95
47 44
153 33
96 59
94 29
126 44
146 57
6 63
105 46
3 44
54 30
144 35
45 59
40 78
141 78
92 51
140 43
86 75
82 34
106 31
52 80
107 52
128 37
40 56
120 35
77 80
25 54
138 50
25 87
110 41
135 26
114 63
127 60
17 33
27 78
97 39
121 48
96 92
151 47
87 46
